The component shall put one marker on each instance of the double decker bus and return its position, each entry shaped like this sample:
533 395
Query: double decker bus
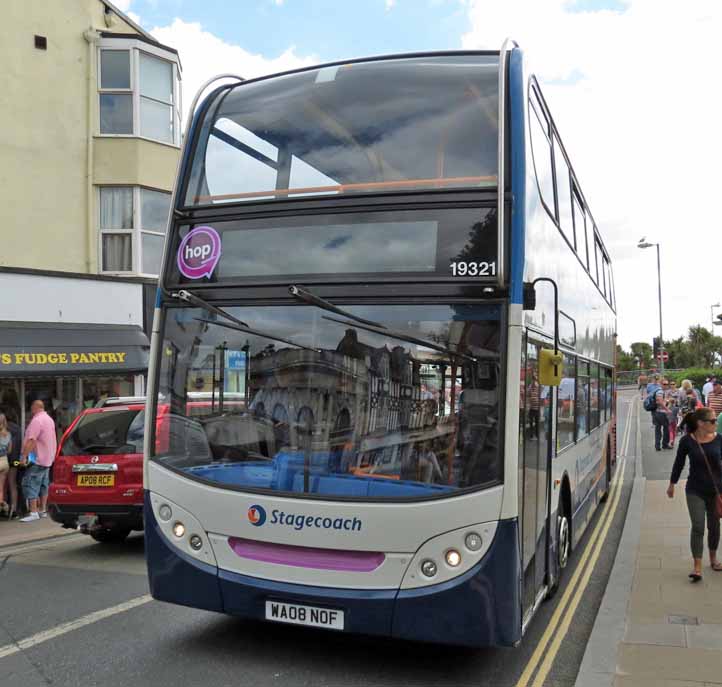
391 261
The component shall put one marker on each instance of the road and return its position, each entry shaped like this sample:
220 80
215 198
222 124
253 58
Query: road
46 585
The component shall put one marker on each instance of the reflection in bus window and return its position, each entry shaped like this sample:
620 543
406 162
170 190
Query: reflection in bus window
582 399
594 397
354 412
565 407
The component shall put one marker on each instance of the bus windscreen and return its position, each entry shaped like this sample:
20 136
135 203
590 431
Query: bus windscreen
391 125
300 401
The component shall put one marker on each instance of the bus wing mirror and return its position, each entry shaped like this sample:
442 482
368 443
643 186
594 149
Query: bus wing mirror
550 367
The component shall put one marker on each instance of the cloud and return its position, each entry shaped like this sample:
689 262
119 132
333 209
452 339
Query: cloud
389 4
123 5
204 55
632 89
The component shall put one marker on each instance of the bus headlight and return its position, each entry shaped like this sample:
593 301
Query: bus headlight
473 541
428 567
179 529
165 512
196 542
453 558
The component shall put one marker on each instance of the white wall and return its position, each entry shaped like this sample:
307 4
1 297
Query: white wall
38 298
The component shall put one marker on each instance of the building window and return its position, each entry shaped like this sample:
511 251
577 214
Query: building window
139 95
132 228
116 229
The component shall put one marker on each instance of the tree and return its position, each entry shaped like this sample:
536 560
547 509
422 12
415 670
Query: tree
704 346
643 351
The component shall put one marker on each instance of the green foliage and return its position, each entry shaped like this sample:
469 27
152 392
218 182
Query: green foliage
700 349
696 375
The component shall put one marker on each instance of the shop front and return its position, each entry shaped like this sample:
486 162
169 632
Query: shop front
69 366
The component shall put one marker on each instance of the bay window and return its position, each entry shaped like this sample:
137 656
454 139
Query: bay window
132 222
139 91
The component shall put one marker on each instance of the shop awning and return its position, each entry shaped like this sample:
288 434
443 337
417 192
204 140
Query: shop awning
47 348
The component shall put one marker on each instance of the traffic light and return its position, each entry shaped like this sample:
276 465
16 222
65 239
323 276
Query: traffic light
655 346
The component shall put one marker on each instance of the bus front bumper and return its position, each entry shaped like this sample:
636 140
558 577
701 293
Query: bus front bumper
479 608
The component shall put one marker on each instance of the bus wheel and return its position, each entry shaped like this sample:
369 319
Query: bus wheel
605 496
563 541
563 546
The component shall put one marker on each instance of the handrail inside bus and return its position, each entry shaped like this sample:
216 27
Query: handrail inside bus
490 180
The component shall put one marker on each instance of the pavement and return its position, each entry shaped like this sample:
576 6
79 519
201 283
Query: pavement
13 532
654 627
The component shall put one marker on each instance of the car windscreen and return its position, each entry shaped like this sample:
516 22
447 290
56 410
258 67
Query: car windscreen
385 402
421 123
111 432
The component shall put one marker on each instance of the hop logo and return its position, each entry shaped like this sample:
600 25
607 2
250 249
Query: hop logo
256 515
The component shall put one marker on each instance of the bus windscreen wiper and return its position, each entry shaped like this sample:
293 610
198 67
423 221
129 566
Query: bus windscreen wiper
307 297
249 330
189 297
403 337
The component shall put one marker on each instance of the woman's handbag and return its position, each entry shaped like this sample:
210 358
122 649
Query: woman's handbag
718 498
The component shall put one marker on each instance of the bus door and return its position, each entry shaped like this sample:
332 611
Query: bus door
535 444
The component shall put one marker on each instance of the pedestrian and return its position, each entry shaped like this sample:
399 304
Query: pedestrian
686 386
714 398
703 446
6 441
40 442
661 417
642 382
707 388
672 400
13 459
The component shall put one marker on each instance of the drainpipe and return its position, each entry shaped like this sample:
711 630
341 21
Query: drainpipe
92 37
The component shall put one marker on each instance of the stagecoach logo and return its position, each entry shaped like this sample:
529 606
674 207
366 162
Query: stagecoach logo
257 515
199 253
94 459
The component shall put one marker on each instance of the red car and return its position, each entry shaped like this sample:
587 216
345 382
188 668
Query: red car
98 473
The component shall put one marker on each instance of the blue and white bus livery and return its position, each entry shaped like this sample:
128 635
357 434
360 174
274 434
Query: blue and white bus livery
342 263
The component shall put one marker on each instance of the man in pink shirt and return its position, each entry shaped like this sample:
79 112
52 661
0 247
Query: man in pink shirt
41 441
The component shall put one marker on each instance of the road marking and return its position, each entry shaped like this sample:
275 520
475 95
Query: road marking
607 516
14 549
572 608
52 633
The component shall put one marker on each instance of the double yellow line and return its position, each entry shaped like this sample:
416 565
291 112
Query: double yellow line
563 614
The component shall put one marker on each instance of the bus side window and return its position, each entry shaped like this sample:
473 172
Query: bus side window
580 229
563 194
582 406
565 407
542 152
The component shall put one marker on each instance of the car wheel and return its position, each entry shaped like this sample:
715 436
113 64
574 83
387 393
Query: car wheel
107 536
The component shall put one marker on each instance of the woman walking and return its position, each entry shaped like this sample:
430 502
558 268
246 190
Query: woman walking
703 446
6 444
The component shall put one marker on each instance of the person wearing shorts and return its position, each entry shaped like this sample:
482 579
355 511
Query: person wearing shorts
40 440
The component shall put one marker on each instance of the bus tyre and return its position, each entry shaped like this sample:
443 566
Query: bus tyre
563 547
605 495
110 535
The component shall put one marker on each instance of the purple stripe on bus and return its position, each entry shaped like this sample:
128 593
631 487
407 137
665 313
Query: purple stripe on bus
306 557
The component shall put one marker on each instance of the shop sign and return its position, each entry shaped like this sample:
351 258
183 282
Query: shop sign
63 361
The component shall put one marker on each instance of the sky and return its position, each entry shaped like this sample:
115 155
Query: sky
631 85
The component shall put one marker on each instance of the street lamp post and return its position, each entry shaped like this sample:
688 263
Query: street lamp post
643 244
